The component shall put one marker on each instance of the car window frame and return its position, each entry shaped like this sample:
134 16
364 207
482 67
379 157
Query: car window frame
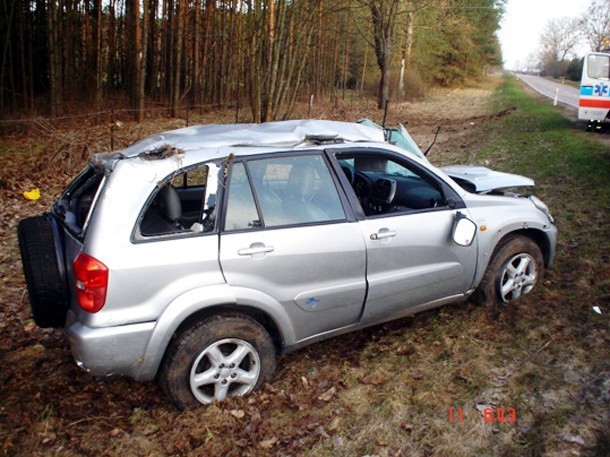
450 195
137 236
345 204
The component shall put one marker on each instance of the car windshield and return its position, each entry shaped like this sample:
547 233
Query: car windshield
399 137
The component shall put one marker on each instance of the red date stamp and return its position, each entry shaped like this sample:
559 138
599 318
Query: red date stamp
455 414
499 415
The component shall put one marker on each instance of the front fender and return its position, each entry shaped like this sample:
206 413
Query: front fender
488 242
199 299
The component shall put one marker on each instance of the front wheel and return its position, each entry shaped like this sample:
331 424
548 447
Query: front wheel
515 268
223 356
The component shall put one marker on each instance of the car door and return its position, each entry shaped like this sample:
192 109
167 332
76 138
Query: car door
407 224
287 237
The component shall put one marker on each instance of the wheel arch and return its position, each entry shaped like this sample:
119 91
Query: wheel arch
222 299
487 291
538 236
254 313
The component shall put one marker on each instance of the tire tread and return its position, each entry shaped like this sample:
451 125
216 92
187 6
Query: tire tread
40 268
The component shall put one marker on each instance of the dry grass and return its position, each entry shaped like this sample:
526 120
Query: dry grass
383 391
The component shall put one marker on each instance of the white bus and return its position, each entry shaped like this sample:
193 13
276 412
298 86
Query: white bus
594 103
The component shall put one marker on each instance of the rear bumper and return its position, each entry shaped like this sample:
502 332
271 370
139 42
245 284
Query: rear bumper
108 351
592 114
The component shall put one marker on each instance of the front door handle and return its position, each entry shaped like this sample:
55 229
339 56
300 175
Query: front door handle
382 234
256 250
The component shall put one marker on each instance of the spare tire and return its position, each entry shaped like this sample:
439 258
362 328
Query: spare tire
41 268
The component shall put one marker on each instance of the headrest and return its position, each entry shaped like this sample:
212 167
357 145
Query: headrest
169 203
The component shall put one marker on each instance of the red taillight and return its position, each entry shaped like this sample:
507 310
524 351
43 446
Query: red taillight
91 282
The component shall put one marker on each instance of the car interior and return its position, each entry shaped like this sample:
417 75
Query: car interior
179 204
383 185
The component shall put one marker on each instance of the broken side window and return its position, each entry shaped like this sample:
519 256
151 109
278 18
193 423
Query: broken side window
185 203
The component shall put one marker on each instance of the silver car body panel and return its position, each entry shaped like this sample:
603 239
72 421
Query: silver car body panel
417 264
116 350
318 277
320 280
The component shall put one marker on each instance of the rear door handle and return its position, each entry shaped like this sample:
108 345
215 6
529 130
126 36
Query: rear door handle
256 250
382 234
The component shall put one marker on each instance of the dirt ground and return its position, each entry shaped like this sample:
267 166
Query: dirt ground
382 391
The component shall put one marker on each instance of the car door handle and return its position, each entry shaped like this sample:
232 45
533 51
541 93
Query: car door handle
256 250
383 234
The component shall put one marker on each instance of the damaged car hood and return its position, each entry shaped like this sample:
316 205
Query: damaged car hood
482 180
472 178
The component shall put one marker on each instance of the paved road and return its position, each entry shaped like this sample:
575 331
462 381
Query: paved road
567 94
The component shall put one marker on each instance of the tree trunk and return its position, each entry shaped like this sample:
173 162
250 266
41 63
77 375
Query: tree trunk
133 21
97 32
140 95
383 15
180 5
405 62
54 59
195 84
270 73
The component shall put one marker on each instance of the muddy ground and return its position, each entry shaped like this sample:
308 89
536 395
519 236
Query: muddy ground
387 390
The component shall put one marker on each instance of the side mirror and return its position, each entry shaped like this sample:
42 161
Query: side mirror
463 230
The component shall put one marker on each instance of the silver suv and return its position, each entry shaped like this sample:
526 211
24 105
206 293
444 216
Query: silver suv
197 255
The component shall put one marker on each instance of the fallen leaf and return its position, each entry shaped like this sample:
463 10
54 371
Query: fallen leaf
328 395
459 376
372 380
576 439
150 429
49 438
241 443
312 425
238 413
407 427
321 432
268 444
402 350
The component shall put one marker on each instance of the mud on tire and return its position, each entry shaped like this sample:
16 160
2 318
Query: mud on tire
515 268
221 356
45 285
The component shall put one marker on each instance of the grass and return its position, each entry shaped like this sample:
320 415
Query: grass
381 391
540 357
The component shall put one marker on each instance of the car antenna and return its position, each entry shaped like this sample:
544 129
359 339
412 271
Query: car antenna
433 141
385 113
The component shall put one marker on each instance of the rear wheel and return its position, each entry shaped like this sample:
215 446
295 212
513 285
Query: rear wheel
223 356
44 282
516 267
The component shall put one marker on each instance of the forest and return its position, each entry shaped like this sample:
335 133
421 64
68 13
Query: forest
61 57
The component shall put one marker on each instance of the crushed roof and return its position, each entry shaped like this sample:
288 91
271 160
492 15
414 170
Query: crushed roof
268 134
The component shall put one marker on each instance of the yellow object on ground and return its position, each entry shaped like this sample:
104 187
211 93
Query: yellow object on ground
33 194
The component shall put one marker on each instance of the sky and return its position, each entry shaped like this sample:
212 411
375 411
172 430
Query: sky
524 22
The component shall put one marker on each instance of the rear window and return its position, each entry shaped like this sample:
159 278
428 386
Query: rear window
76 204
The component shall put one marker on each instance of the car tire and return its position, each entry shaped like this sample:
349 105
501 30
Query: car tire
516 267
43 278
222 356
